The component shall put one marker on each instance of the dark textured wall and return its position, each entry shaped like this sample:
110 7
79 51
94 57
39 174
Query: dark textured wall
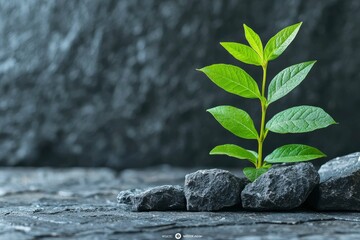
112 83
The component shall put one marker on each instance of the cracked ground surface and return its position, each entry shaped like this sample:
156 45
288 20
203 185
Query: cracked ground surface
78 203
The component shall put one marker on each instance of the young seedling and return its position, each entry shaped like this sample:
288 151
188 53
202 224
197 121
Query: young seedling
235 80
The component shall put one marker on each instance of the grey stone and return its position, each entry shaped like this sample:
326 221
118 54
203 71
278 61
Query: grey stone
281 188
106 83
161 198
212 190
32 206
339 187
127 196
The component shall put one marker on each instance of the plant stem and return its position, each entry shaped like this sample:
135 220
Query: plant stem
263 116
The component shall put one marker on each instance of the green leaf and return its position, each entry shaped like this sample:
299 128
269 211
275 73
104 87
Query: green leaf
242 53
278 43
266 165
294 153
299 120
235 151
254 40
253 173
233 80
288 79
235 120
254 153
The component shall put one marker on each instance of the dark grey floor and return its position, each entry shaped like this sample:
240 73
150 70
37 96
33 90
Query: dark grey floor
81 204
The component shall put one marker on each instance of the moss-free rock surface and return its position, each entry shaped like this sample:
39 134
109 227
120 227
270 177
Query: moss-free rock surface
160 198
212 190
81 204
281 188
339 187
127 196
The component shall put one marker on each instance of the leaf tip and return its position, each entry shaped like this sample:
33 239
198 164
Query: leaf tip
321 154
209 110
203 69
213 151
333 121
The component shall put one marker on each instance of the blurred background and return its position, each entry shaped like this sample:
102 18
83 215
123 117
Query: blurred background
113 82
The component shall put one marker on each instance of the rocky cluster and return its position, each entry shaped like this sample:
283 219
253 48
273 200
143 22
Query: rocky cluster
336 186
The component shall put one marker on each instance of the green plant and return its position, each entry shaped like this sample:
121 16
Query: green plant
293 120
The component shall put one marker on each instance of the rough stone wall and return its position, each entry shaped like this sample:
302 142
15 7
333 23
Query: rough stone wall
112 83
